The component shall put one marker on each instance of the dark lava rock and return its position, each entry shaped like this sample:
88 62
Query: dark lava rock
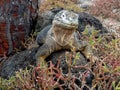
62 55
20 60
24 59
87 19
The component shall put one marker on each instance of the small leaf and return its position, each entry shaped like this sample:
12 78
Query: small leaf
77 56
106 69
117 69
113 84
117 88
85 32
99 39
91 41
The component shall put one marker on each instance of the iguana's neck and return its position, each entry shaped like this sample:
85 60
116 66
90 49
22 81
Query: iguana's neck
62 35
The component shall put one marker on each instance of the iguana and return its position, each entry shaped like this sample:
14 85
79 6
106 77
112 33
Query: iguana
61 35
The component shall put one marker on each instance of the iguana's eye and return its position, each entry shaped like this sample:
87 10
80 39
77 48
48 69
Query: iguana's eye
63 15
73 17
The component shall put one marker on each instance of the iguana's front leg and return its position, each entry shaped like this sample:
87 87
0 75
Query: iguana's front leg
42 53
85 48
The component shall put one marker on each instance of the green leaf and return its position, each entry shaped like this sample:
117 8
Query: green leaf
91 41
85 32
77 56
106 69
117 69
99 39
117 88
113 84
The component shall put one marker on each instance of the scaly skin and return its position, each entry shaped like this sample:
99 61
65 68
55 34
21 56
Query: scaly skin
61 35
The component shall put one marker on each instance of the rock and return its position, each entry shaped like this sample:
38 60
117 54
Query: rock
75 72
16 23
87 20
20 60
24 59
61 55
112 25
85 4
82 1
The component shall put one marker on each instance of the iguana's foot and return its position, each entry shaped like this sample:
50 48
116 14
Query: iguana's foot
91 57
42 63
94 59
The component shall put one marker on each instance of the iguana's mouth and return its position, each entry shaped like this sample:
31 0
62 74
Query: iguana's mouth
65 25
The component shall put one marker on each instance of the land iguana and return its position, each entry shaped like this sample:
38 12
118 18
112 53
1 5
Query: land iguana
61 35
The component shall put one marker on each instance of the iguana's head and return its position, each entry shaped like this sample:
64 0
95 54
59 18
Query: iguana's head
66 19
